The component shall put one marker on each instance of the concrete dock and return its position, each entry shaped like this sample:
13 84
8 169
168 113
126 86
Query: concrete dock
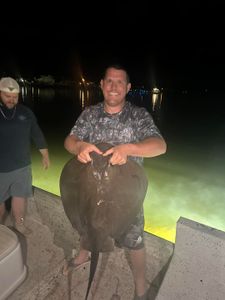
191 269
53 241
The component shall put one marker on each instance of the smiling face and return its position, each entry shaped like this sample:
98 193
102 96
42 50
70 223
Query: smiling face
115 86
9 99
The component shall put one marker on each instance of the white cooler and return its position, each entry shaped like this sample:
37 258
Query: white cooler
12 269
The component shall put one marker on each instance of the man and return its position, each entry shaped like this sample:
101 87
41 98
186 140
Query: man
18 126
134 135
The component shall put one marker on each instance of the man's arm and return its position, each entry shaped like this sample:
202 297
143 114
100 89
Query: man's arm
45 158
150 147
80 148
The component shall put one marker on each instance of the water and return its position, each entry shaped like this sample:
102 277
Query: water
187 181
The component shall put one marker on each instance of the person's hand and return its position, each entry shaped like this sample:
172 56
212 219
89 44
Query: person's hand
45 158
84 152
45 162
119 154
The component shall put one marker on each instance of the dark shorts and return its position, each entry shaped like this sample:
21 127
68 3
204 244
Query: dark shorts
133 237
17 183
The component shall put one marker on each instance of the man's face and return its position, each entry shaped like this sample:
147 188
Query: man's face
9 99
115 87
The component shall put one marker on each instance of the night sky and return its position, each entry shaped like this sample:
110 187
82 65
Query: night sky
178 43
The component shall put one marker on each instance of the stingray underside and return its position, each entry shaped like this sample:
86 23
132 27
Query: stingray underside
102 200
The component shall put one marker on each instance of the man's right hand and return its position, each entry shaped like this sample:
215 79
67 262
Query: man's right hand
84 150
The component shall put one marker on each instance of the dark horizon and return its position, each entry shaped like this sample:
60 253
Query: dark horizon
174 44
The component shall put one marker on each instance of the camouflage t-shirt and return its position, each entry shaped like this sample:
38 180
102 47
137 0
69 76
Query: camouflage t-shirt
131 125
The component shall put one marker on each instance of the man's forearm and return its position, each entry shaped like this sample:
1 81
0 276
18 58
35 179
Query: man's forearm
149 147
72 144
44 152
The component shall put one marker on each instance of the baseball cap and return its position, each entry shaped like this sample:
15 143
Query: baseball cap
9 85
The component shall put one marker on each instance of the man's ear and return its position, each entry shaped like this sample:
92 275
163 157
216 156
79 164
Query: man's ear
128 87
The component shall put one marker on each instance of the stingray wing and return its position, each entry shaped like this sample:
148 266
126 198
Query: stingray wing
101 200
71 180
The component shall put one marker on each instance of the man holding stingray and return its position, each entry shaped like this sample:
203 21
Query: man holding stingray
133 134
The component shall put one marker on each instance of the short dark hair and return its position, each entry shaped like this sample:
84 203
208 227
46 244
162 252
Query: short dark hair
117 67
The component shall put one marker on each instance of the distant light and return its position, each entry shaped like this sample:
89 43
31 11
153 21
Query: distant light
155 90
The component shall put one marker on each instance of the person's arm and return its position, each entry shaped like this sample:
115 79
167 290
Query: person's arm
80 148
72 144
45 158
39 140
149 147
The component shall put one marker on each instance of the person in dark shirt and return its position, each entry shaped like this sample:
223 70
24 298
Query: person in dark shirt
133 133
18 128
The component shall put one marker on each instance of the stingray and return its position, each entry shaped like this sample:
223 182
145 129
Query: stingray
101 200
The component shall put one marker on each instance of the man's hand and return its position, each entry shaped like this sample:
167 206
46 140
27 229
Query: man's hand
45 158
119 154
84 151
45 162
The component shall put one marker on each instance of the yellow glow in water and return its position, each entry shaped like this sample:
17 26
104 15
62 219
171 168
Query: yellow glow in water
163 232
173 191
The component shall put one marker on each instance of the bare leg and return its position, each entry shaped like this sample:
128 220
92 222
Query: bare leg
2 212
18 212
82 257
138 265
18 209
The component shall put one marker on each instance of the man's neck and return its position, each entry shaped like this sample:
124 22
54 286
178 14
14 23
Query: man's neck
113 110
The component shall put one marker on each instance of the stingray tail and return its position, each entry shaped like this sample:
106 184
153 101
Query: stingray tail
93 267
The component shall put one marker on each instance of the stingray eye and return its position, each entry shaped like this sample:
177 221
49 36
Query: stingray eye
106 175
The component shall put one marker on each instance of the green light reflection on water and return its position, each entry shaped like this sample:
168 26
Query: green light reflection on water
177 187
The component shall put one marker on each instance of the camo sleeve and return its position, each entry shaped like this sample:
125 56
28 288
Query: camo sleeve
83 127
145 125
